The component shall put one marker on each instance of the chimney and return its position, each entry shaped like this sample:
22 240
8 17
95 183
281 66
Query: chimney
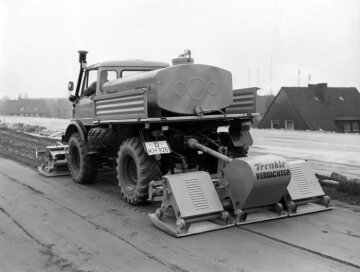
321 89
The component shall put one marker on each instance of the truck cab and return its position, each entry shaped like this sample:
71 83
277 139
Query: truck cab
101 74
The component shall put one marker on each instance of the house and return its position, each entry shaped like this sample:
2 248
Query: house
313 108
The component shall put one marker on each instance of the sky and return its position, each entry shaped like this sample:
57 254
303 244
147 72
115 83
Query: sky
263 43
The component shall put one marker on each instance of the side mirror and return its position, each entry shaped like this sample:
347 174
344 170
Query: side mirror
70 86
72 98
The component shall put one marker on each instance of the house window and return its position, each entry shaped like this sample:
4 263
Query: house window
275 124
355 126
347 127
289 124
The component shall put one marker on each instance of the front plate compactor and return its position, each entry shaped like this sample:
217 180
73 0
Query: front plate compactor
54 160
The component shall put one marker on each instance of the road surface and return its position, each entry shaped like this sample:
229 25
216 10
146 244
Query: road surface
57 225
328 152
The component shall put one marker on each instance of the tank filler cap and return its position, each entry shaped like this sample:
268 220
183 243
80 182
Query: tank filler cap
184 58
199 111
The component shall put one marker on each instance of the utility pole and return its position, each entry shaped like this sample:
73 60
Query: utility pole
271 74
309 78
299 78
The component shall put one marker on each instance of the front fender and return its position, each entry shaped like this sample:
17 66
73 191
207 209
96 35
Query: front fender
75 127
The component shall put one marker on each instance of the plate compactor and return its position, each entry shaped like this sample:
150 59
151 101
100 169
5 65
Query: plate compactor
247 190
55 161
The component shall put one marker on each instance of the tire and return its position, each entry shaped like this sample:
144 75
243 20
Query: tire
83 167
135 171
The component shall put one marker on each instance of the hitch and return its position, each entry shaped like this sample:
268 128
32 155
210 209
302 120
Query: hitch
55 160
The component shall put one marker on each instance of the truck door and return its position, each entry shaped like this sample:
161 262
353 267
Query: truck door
84 107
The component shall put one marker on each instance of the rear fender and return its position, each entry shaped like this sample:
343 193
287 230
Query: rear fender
75 127
240 134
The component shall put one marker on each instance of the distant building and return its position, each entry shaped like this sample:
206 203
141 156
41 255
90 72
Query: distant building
49 107
313 108
27 107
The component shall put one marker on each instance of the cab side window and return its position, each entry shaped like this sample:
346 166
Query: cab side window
89 83
107 76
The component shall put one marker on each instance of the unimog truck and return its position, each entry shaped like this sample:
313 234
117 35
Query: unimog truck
141 121
179 134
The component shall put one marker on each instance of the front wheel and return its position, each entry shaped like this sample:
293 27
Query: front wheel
83 167
136 170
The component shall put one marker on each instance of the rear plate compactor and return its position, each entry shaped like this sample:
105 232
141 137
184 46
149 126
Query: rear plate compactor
246 190
190 205
304 193
55 161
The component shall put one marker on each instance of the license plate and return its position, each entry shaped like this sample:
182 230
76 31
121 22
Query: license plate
158 147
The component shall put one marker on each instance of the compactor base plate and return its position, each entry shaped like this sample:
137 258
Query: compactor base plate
168 225
260 216
309 208
47 172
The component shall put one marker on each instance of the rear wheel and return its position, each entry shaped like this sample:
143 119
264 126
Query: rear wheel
135 171
82 166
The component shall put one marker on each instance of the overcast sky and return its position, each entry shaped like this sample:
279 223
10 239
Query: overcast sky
263 43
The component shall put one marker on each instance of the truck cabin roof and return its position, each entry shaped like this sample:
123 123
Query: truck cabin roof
129 63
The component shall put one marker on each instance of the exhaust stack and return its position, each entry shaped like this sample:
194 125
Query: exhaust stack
82 60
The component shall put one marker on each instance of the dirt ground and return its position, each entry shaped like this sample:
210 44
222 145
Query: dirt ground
21 147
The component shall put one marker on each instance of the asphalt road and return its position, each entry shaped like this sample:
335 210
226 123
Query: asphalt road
57 225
